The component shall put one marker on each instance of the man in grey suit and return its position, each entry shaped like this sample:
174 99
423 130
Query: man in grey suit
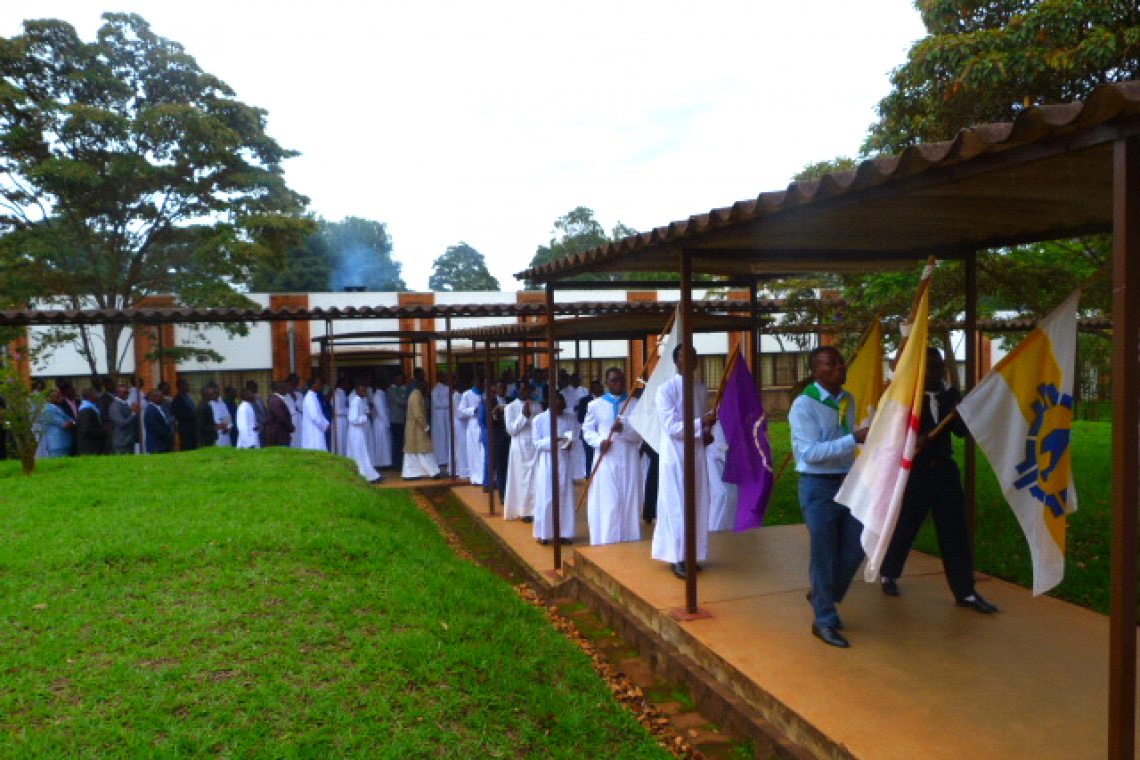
124 422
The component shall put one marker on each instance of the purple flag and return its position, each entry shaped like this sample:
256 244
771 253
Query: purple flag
748 462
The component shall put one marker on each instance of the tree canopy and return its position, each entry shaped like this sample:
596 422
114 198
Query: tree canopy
579 231
353 252
984 60
127 171
461 267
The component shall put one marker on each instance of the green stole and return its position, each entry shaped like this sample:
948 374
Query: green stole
812 392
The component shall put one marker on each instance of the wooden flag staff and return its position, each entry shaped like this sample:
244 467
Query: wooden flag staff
646 372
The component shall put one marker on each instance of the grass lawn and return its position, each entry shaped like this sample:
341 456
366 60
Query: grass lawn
1001 549
269 604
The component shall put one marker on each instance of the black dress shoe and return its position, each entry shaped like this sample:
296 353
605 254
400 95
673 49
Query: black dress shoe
528 519
829 636
679 569
889 586
976 602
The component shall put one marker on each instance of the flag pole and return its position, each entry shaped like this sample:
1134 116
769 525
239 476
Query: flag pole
646 371
729 366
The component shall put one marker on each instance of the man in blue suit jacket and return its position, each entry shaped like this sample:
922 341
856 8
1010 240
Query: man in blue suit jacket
159 430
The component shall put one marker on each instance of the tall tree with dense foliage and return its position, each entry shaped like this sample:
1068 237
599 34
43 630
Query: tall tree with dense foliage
353 252
984 60
126 170
362 255
579 231
461 267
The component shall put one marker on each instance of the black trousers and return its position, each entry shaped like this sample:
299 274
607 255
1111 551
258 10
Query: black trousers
397 445
935 486
649 507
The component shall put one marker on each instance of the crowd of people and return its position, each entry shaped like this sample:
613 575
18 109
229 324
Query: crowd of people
402 424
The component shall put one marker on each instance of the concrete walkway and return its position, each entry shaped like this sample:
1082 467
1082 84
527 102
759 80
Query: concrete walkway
923 678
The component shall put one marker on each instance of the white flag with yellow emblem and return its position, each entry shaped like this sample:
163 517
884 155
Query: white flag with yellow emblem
1021 414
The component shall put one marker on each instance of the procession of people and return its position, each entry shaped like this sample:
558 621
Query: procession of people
391 422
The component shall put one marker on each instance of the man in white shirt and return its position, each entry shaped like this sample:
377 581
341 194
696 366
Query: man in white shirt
615 495
468 409
222 420
314 424
359 431
248 430
519 416
669 536
340 410
440 417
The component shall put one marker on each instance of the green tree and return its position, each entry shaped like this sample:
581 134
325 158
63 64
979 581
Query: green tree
461 267
361 252
579 231
306 268
350 253
984 60
128 171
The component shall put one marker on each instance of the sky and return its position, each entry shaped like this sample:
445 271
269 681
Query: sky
486 122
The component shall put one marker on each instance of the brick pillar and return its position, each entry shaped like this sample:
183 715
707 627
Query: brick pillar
19 349
417 324
146 341
295 332
527 355
634 359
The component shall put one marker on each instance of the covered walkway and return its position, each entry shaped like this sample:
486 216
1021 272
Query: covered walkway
923 679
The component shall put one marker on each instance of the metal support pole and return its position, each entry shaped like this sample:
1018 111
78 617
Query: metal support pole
332 383
451 402
552 388
970 453
689 412
754 336
1125 447
488 399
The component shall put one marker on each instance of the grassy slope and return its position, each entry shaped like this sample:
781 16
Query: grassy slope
1001 549
268 604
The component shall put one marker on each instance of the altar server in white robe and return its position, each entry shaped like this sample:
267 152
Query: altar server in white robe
669 536
359 431
571 394
223 420
617 490
722 496
519 418
544 446
459 430
468 409
313 423
295 400
249 437
440 416
381 427
340 411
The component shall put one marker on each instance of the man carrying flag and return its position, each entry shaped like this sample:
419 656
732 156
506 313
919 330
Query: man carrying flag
936 485
1021 414
825 441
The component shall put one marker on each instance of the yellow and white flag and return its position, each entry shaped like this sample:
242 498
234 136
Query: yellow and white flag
865 375
873 489
1021 414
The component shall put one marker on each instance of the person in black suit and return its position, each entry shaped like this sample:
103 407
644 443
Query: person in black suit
186 421
106 400
936 486
159 428
206 428
90 434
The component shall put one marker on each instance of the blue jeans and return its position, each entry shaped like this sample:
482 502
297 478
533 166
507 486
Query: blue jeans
836 551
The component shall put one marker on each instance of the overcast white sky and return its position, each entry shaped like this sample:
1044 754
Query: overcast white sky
485 122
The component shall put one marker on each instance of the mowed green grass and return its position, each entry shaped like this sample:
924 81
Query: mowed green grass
269 604
1000 546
